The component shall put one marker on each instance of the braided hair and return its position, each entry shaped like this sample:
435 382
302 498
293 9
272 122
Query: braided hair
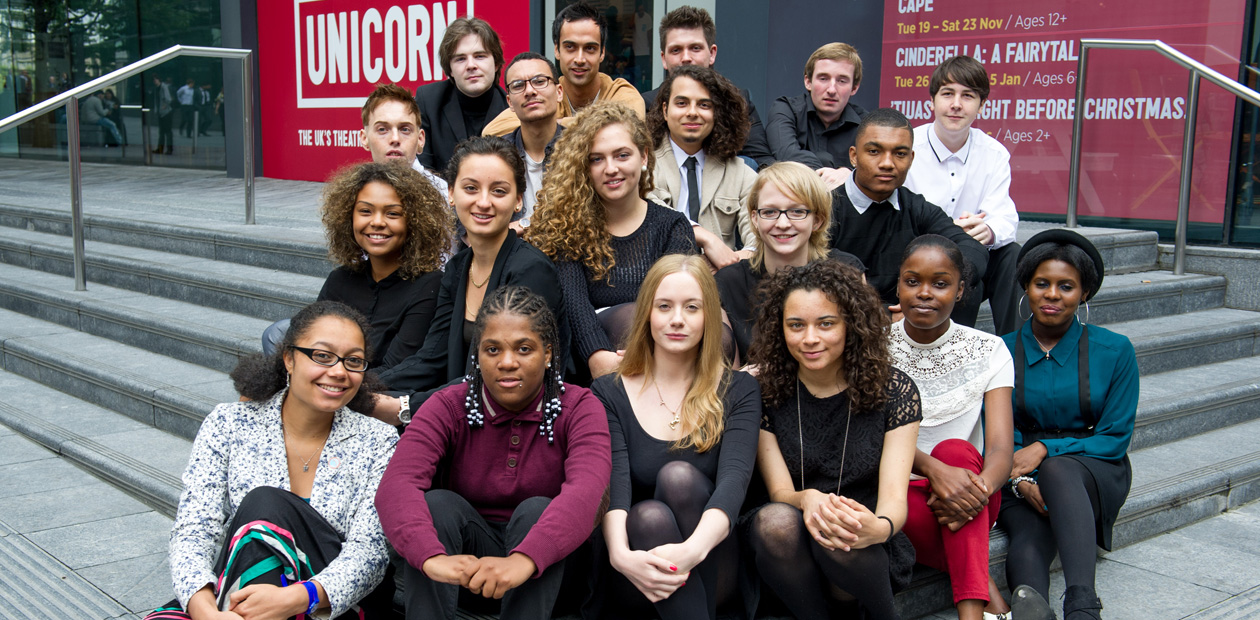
521 302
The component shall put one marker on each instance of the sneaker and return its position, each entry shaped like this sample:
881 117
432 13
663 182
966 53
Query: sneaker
1005 616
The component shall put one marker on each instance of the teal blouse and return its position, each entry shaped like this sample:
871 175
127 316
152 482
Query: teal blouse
1052 397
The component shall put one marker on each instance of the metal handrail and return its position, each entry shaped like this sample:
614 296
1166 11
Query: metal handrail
1197 70
70 99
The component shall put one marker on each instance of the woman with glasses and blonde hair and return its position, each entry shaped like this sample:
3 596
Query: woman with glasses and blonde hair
790 208
684 436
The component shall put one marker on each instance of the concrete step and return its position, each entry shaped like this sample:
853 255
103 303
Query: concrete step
1193 339
1174 485
253 291
289 249
1141 295
134 457
155 390
1189 401
1245 606
205 336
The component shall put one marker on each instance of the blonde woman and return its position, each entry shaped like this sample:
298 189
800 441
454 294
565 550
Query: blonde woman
790 209
684 436
593 220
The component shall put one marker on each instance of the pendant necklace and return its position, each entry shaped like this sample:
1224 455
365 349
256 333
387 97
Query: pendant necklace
801 434
673 424
306 464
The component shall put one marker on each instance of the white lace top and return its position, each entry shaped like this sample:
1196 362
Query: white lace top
952 374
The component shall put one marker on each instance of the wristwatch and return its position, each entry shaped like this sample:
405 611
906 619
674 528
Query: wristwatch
404 409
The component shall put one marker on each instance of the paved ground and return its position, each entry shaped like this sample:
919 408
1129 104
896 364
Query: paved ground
78 540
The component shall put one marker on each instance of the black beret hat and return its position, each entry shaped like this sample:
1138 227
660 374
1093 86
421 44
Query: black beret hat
1064 236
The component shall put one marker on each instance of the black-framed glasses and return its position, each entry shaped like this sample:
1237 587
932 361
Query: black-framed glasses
539 82
352 363
796 214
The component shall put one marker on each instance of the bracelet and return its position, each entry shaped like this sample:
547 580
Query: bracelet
1015 485
312 595
892 529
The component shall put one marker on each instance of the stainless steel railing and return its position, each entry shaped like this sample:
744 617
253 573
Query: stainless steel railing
70 100
1198 71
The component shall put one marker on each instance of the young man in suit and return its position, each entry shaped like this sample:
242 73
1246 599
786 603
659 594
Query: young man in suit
699 124
460 106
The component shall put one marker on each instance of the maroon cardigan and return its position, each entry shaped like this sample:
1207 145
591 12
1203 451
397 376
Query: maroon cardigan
495 475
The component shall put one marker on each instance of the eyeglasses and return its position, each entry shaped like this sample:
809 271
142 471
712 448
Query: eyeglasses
539 82
351 363
792 214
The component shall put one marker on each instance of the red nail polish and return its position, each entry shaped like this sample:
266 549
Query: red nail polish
673 568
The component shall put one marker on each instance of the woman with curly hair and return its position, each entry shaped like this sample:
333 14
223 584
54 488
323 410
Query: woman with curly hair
838 492
699 123
486 177
594 221
790 209
500 478
387 230
684 441
279 489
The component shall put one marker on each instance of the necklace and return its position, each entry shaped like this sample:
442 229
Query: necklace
673 424
474 282
306 464
1045 349
801 434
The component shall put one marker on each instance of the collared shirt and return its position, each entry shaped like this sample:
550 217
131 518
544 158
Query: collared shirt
436 180
862 202
975 179
795 133
680 156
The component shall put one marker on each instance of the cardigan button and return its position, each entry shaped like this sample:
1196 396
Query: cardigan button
512 462
516 440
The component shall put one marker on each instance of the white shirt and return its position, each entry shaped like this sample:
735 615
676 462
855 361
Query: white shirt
680 201
185 95
436 180
952 374
975 179
862 202
533 182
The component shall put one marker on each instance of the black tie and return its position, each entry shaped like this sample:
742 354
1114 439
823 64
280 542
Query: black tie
693 189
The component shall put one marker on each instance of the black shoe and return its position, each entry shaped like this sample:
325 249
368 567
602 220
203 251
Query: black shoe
157 151
1028 604
1081 603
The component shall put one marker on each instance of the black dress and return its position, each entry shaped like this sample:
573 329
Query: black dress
820 428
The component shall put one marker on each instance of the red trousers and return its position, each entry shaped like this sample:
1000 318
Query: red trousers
963 555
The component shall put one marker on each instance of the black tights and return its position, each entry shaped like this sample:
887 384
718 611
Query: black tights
682 492
1072 497
801 571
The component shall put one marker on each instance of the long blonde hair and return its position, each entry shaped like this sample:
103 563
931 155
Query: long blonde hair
702 413
570 222
803 185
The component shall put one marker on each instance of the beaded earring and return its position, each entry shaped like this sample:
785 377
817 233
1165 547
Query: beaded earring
472 400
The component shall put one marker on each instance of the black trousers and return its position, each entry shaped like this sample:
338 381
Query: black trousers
999 287
462 530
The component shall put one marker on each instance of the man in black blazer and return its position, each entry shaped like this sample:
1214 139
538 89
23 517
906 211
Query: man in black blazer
460 106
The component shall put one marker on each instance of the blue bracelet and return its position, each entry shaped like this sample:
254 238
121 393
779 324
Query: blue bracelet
313 595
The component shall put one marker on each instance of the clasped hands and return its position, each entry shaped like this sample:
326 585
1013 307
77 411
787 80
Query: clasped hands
657 572
841 523
488 576
957 496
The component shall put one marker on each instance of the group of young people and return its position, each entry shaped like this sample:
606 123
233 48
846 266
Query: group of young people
604 372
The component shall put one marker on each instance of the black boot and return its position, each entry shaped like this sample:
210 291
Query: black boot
1081 603
1028 604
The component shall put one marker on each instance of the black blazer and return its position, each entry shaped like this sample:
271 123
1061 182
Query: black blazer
443 359
442 120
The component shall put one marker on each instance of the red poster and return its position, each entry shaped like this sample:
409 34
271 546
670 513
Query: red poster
319 60
1135 101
